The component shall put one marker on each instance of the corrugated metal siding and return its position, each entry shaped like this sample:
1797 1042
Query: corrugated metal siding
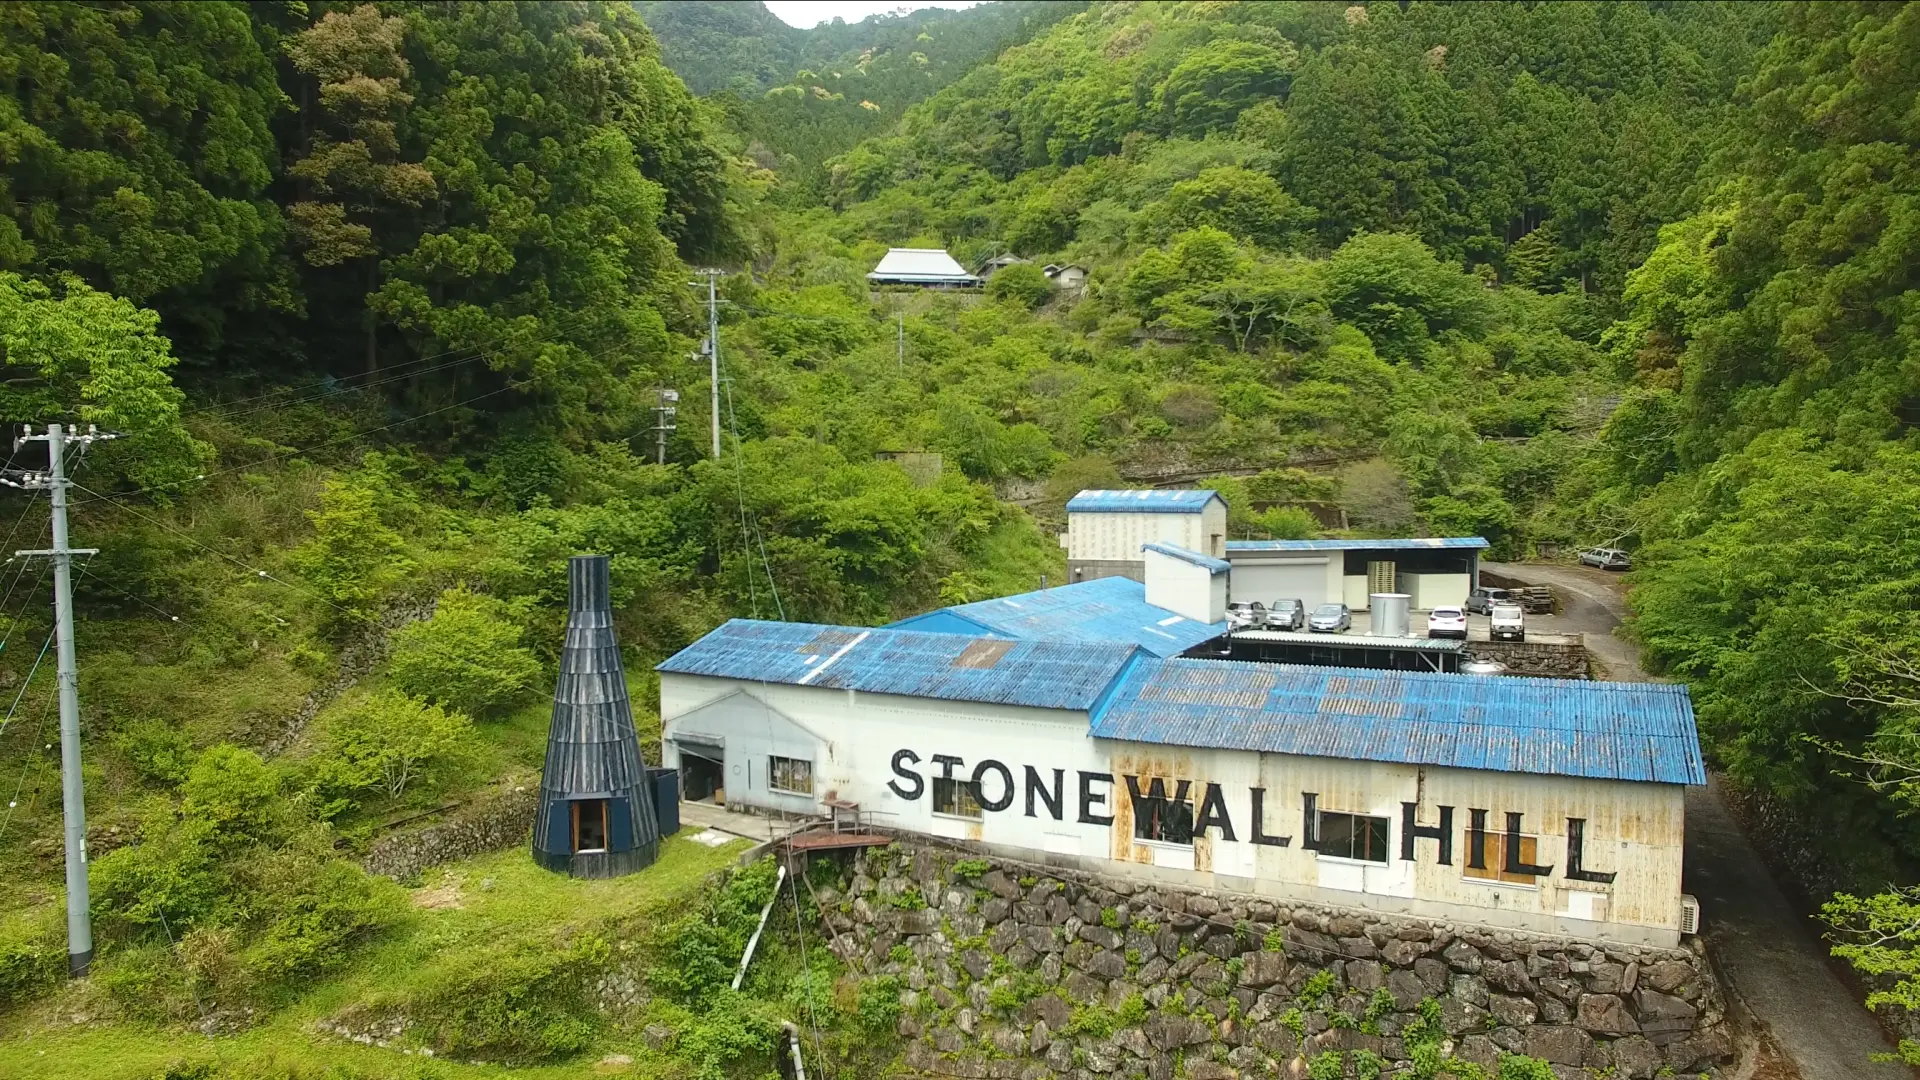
1175 551
1429 543
1619 731
1112 609
1351 641
1042 674
1145 501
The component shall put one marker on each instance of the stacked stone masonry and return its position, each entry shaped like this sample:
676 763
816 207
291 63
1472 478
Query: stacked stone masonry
1539 659
992 967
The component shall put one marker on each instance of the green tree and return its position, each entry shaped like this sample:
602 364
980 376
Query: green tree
98 358
1211 85
468 657
1022 283
1391 286
386 743
354 559
1247 204
141 157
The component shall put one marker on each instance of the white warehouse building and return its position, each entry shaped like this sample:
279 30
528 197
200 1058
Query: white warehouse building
1105 531
1064 726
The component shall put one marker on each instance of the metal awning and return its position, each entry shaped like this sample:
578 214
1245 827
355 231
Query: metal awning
1348 641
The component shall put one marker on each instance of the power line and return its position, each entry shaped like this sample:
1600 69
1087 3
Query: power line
291 453
195 541
332 385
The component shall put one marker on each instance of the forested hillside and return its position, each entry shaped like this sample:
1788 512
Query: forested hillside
798 97
383 296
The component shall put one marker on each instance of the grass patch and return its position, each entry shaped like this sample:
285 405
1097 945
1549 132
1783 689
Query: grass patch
482 903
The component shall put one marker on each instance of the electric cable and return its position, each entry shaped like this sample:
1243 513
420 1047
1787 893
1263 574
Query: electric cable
331 385
295 452
195 541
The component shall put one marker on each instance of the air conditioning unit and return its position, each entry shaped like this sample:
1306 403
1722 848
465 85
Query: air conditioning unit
1689 914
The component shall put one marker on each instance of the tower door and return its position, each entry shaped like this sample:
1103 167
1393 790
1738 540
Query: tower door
589 825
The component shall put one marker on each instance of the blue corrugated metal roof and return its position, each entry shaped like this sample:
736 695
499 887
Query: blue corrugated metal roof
1175 551
1144 501
1044 674
1616 731
1110 609
1428 543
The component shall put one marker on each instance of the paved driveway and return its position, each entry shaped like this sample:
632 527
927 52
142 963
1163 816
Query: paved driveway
1769 953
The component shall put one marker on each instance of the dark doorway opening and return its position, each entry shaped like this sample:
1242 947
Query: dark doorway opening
700 777
589 825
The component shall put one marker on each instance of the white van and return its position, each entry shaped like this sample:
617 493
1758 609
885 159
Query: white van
1508 624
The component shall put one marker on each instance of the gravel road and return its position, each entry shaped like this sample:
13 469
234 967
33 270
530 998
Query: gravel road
1767 951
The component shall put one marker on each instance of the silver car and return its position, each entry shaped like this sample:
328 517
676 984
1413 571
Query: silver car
1330 618
1287 615
1606 559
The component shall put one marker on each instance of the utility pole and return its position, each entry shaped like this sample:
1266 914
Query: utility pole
713 350
665 420
73 795
900 340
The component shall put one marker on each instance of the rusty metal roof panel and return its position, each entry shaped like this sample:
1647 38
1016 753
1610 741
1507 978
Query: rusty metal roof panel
956 667
1617 731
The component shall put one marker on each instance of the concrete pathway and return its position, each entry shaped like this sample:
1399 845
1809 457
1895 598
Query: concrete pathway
1771 956
695 816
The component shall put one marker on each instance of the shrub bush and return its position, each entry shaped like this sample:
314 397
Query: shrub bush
1022 283
468 657
386 743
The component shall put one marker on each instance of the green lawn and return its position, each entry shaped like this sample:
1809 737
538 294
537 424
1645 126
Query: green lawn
500 897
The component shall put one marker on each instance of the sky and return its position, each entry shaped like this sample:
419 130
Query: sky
805 13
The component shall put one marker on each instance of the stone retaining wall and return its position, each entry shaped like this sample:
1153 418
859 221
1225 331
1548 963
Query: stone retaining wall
495 821
1010 971
1548 659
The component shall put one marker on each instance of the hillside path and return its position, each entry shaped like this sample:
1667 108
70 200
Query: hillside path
1769 954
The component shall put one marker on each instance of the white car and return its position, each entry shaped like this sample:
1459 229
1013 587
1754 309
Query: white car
1447 622
1509 624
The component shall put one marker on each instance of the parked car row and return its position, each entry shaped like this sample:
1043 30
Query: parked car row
1507 622
1287 615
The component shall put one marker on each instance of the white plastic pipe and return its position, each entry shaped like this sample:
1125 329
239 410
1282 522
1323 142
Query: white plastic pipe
754 941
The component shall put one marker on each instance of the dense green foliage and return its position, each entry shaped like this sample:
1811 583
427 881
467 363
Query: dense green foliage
798 97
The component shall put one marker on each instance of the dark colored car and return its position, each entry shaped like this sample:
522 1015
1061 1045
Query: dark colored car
1481 601
1287 615
1606 559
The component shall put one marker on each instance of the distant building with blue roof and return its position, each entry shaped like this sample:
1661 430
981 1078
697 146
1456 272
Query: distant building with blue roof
1107 529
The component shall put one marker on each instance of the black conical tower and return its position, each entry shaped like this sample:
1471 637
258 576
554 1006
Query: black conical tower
596 817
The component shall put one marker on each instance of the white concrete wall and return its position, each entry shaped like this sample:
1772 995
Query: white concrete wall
1119 535
1430 591
1185 589
1354 589
1633 829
